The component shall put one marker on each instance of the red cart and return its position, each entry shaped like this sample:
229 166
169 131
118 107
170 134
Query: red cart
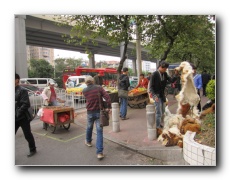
57 116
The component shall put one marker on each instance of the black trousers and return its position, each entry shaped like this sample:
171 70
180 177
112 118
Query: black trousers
199 105
204 89
25 125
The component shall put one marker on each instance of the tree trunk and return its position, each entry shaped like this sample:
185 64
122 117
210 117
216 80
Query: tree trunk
123 58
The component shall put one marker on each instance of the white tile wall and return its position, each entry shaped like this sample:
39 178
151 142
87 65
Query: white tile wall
197 154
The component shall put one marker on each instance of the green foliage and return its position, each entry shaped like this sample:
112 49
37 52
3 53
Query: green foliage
209 121
174 38
208 131
40 69
62 63
116 29
210 89
101 64
185 37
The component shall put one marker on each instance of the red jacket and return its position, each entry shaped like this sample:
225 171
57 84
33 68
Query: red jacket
143 83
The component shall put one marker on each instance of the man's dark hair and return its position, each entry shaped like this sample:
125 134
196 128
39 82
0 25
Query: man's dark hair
17 76
164 64
193 66
125 69
142 74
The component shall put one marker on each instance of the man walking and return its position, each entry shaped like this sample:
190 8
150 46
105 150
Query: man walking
22 103
157 86
93 113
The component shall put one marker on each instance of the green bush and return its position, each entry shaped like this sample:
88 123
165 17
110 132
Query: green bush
210 89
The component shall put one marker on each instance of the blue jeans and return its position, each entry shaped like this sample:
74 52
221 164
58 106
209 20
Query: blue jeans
159 111
123 108
91 118
54 103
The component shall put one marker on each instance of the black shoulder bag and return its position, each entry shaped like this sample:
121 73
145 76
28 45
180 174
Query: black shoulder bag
104 115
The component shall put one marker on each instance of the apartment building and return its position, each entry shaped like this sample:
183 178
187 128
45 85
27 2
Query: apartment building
34 52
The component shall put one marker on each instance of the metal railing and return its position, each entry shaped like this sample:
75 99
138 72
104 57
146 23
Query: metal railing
71 99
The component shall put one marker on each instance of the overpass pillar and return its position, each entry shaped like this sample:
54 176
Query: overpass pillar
20 46
91 60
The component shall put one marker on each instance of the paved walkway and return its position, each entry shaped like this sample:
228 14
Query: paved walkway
133 134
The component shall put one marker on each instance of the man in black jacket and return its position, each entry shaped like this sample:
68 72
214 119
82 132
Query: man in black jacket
22 103
158 83
124 85
205 79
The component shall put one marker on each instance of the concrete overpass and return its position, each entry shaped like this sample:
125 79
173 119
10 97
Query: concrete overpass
38 30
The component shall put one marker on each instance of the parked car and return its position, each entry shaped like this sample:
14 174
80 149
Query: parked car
35 97
39 82
73 81
77 89
32 88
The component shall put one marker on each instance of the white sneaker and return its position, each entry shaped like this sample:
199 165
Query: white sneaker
100 156
89 144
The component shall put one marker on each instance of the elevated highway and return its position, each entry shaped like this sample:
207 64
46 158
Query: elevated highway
39 30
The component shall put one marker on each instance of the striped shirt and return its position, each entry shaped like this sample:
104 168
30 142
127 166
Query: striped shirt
92 99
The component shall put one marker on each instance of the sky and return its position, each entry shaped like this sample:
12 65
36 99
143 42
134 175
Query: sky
71 54
11 8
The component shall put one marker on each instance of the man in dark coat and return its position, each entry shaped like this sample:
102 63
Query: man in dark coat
22 103
124 85
205 79
98 80
157 86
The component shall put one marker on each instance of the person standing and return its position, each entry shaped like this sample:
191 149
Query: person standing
197 79
93 113
98 80
157 86
149 76
176 80
205 79
50 98
22 103
143 82
124 85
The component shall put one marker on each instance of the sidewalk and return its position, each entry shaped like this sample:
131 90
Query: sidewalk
133 134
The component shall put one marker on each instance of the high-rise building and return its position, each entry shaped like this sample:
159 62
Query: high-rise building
34 52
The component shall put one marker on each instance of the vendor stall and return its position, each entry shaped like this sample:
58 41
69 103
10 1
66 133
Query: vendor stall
138 98
57 116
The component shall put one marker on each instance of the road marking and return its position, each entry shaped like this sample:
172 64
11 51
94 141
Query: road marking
57 139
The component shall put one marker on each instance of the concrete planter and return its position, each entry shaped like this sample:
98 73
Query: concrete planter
197 154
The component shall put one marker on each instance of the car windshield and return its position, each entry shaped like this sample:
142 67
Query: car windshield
81 85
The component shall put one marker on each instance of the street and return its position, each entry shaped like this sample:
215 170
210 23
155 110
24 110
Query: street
68 148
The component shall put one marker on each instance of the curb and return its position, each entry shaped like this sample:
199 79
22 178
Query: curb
169 155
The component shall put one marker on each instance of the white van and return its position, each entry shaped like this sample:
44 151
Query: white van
39 82
72 81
